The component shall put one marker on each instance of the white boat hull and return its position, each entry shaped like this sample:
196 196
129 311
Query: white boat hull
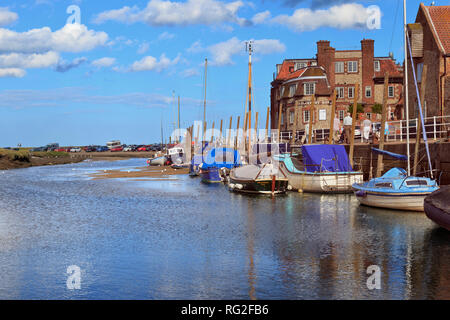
396 202
323 182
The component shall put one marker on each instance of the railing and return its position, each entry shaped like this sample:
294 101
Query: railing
436 128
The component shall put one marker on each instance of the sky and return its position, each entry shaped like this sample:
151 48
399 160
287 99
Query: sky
85 72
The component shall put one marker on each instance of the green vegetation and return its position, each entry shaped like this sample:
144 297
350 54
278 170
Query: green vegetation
377 108
359 109
50 154
21 155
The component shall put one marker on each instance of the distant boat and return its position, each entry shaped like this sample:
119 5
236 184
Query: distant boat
196 161
395 190
159 161
258 179
325 169
217 164
437 207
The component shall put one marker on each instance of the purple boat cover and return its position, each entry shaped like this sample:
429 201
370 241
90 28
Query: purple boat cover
326 158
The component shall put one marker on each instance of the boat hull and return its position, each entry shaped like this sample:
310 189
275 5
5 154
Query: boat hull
437 207
397 201
259 186
160 161
323 182
211 176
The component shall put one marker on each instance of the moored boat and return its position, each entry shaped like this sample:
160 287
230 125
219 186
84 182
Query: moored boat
258 179
158 161
217 164
437 207
395 190
325 169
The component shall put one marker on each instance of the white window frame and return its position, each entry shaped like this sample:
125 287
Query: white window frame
313 63
292 90
341 68
352 90
307 88
291 116
352 66
300 65
368 89
389 92
339 90
376 65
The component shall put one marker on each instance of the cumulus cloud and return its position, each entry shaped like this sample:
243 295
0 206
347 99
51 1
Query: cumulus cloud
29 61
104 62
345 16
172 13
64 66
12 73
70 38
224 51
7 17
150 63
261 17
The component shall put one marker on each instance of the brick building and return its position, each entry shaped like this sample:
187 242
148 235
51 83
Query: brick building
430 44
297 80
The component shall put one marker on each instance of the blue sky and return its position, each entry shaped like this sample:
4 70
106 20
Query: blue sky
113 74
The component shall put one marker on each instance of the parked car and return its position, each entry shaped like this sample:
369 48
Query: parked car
102 149
142 148
127 149
91 149
357 131
60 150
117 149
75 150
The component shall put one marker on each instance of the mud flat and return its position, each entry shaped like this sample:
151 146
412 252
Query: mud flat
153 173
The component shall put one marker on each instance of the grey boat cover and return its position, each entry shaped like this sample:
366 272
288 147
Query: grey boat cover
251 171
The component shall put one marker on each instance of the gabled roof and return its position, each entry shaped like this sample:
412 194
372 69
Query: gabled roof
285 74
438 17
387 64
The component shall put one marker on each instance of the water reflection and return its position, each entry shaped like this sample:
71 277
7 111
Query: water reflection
184 239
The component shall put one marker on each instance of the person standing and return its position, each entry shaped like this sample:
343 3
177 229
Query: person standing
367 127
347 128
336 128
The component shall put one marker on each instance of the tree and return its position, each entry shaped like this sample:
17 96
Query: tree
377 108
359 109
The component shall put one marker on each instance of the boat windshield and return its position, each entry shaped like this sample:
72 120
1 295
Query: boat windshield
383 185
417 183
297 164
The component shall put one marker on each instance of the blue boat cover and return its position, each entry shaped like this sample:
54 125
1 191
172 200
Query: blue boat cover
221 158
391 154
326 158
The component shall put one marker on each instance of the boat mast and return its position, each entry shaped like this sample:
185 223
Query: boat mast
249 47
405 85
178 137
204 103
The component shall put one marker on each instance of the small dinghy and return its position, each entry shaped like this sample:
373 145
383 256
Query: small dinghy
259 179
218 163
437 207
159 161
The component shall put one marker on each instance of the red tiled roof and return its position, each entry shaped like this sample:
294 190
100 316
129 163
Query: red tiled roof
440 16
285 74
390 66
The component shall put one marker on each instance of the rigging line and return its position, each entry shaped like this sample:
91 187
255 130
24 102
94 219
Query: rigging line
395 23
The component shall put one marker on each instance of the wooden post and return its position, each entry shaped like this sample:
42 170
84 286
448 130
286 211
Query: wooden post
221 123
229 132
383 124
333 115
355 109
423 85
256 127
294 129
311 116
212 132
280 111
205 125
267 124
237 132
244 128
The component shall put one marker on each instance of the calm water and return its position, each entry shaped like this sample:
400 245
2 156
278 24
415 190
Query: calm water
181 239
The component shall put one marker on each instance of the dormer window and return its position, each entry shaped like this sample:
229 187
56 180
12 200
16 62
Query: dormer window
300 65
291 69
377 65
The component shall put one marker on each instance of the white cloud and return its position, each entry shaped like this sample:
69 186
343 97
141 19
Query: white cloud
261 17
7 17
150 63
224 51
171 13
345 16
71 38
143 48
29 61
12 73
166 36
195 47
64 66
104 62
190 73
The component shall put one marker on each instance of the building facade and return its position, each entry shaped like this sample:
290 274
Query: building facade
297 80
430 45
